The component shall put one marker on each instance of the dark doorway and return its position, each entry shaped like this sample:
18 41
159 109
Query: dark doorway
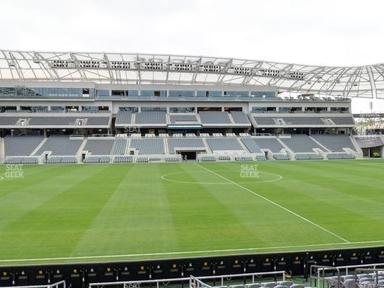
188 155
372 152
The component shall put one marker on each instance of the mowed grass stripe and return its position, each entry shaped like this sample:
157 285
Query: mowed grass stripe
257 215
136 218
342 205
338 206
20 196
200 219
279 206
54 227
254 213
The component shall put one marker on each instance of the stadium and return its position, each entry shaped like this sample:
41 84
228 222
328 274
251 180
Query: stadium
151 170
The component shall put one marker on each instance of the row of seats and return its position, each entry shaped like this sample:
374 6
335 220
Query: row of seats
51 120
204 118
277 284
301 143
163 119
195 144
119 146
369 141
308 156
357 280
101 146
254 145
157 158
62 145
334 143
21 160
313 120
61 160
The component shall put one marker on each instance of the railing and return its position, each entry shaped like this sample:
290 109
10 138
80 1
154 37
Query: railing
318 272
60 284
194 282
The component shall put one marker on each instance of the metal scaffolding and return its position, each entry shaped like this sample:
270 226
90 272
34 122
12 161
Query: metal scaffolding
126 68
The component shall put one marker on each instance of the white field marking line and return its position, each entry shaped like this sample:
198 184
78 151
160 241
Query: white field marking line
277 205
300 247
165 178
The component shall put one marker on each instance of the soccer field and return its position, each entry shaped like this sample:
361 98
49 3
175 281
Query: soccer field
67 213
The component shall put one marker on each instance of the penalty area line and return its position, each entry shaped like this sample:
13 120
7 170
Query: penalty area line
277 205
173 253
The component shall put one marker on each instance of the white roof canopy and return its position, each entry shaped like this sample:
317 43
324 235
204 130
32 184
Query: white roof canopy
124 68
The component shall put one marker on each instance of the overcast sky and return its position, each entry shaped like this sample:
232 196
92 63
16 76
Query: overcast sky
329 32
323 32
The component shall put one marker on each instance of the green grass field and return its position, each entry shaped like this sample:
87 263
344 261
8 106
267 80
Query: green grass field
68 213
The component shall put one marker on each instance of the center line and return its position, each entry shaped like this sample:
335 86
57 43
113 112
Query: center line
276 204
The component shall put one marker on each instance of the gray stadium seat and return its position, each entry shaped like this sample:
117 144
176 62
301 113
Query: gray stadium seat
300 143
224 144
192 143
119 146
214 117
21 145
269 143
251 145
335 143
240 118
99 146
60 145
151 118
123 118
146 146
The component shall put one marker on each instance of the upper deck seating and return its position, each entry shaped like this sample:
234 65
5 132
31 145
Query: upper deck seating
264 121
183 118
155 118
240 118
97 121
214 117
343 120
8 121
69 121
367 142
310 120
303 120
60 120
123 118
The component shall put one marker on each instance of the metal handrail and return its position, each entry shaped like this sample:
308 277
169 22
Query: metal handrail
54 285
320 270
187 279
